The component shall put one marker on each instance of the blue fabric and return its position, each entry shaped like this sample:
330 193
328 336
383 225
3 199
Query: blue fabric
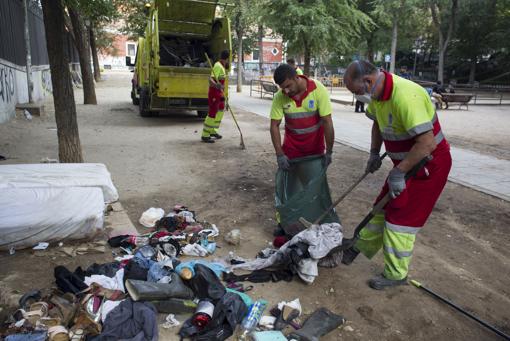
142 261
27 337
157 271
216 267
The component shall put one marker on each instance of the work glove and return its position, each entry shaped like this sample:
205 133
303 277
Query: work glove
283 162
396 182
374 162
326 161
218 86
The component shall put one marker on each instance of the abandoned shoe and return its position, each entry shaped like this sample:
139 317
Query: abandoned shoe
350 255
321 322
216 136
380 282
207 139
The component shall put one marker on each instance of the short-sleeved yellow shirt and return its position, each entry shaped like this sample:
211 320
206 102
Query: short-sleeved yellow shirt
218 71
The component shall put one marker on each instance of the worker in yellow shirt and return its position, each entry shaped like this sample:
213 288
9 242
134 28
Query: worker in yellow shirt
216 99
292 62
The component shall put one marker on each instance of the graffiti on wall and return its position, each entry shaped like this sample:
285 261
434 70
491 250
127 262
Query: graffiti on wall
46 81
7 84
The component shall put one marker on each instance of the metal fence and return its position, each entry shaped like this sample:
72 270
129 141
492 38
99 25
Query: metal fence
12 41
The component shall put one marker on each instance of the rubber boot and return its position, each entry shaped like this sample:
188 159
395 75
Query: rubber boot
321 322
150 291
380 282
175 306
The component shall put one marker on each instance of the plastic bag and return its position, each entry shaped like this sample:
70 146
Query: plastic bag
303 192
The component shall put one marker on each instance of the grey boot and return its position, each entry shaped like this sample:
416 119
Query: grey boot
150 291
175 306
321 322
380 282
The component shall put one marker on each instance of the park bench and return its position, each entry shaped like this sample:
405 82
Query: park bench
461 99
263 87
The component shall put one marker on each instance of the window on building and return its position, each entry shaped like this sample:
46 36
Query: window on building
255 55
131 49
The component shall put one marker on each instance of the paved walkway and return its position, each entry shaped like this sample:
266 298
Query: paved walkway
478 171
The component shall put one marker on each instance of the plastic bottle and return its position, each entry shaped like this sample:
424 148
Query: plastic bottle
251 320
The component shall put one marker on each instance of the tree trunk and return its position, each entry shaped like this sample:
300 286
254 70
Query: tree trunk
370 48
393 45
69 147
307 57
93 48
82 45
444 39
239 60
440 63
472 71
261 50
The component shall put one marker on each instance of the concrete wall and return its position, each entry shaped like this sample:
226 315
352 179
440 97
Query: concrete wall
14 89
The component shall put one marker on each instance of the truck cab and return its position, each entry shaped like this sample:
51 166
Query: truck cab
171 69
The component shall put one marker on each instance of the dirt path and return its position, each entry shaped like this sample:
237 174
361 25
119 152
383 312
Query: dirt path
462 252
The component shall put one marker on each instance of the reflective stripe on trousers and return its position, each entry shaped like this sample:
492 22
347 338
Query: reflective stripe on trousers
211 125
396 241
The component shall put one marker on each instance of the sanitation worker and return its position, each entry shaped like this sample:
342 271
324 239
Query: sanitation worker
405 119
216 99
309 133
292 62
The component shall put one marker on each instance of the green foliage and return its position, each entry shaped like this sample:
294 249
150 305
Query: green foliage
243 16
134 15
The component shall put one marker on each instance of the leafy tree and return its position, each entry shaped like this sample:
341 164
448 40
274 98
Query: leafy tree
312 26
444 16
69 146
134 14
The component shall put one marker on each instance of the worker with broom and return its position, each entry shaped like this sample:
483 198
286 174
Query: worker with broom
406 121
308 141
216 99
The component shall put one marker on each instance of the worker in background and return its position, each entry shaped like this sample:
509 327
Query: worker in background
309 132
216 99
405 120
292 62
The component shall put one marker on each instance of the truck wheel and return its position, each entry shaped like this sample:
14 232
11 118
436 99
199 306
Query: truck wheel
143 105
136 100
202 113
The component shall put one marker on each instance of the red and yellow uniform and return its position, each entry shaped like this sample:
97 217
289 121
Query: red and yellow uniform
304 134
403 112
216 101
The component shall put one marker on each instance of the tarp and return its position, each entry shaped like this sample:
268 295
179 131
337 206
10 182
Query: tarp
303 192
59 175
45 214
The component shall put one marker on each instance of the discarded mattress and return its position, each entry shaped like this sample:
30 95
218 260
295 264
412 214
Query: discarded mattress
32 215
59 175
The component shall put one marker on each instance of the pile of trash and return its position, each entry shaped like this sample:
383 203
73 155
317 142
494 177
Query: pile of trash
122 299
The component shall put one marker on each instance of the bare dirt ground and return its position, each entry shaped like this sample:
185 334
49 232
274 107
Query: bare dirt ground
461 253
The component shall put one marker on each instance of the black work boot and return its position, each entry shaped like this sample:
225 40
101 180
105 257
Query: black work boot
380 282
216 136
350 255
207 139
320 323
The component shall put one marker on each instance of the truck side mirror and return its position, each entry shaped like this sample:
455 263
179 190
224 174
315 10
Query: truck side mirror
128 61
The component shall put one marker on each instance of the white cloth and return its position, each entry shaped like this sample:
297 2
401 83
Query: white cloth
320 239
107 307
194 250
48 214
151 216
58 175
113 283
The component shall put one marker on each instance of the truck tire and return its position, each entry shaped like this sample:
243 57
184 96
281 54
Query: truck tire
136 100
202 113
143 104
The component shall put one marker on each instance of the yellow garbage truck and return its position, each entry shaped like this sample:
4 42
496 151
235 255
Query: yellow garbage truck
171 69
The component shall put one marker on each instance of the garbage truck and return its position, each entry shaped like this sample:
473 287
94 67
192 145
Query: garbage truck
170 68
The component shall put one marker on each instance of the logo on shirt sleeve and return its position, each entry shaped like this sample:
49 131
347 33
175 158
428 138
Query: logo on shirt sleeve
311 104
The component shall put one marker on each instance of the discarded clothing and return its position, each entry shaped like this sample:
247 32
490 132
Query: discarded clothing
320 240
130 321
112 283
172 223
260 276
158 271
206 284
228 313
107 269
218 268
107 307
133 270
194 250
151 216
35 336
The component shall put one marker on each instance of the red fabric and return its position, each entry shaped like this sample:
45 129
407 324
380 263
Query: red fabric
388 86
279 241
300 145
414 205
216 100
